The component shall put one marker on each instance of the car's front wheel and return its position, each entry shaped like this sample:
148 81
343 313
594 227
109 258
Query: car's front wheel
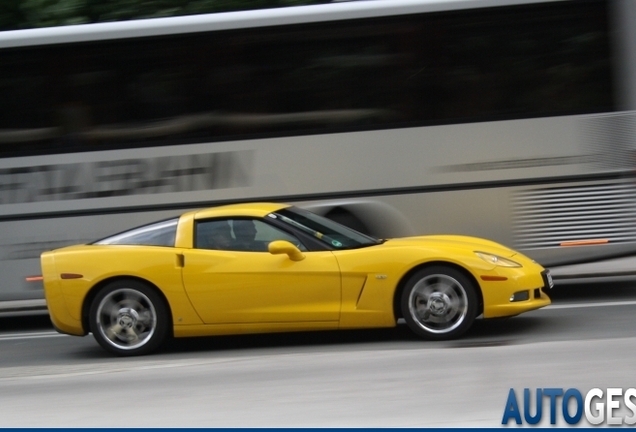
128 317
439 303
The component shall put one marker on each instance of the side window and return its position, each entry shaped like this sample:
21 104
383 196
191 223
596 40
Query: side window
213 234
247 235
157 234
265 234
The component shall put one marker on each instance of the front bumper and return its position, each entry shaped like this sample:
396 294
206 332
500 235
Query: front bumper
520 292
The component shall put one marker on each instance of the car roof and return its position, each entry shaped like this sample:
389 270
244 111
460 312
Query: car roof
257 209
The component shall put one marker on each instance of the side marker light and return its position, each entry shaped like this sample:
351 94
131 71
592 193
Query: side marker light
584 242
34 278
493 278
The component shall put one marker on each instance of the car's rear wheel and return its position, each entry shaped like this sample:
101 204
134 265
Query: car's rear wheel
128 317
439 303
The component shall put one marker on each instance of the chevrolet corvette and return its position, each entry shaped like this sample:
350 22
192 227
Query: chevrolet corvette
266 267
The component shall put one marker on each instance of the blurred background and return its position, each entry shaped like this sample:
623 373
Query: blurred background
24 14
510 120
513 120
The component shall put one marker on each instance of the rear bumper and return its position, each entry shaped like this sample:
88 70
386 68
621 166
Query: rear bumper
61 319
56 304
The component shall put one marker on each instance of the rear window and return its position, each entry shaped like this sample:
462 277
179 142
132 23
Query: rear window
157 234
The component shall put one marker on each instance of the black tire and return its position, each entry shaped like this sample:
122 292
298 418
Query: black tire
128 318
439 303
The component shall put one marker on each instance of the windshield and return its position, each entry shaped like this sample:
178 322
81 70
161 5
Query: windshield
332 233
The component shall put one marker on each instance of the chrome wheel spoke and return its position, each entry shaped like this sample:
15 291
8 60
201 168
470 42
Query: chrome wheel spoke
447 288
126 318
145 318
131 335
457 305
425 315
438 303
110 309
113 332
423 291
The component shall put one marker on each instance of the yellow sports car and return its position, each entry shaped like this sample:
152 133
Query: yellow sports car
263 267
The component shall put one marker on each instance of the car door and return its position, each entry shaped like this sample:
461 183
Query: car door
251 285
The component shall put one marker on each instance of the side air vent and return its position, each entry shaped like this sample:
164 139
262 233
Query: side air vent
574 215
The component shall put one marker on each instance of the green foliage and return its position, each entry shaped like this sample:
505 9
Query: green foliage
20 14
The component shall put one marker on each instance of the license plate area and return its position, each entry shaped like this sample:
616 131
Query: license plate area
547 279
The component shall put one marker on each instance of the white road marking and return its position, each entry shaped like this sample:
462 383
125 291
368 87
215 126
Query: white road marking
587 305
18 336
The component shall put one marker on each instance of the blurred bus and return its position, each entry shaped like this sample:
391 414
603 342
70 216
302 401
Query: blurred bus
506 119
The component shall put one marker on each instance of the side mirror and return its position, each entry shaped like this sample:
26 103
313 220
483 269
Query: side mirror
278 247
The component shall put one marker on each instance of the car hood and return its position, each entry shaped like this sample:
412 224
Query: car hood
454 242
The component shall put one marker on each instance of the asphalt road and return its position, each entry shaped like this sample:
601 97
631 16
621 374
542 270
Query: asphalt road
376 378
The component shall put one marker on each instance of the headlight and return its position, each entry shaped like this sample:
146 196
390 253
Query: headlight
497 260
